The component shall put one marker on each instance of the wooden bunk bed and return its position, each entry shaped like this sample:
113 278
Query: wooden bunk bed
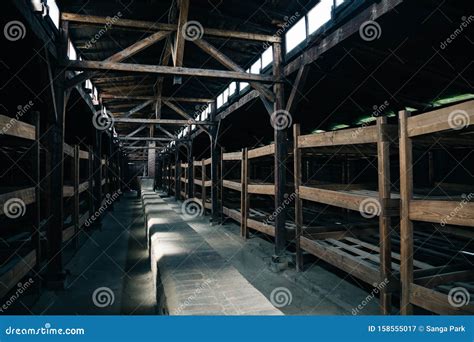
448 289
342 245
201 184
183 178
20 205
79 201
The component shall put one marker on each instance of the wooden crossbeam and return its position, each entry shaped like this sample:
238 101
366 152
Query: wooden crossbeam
122 55
177 109
156 26
160 121
138 97
144 138
168 133
165 70
138 108
180 34
228 63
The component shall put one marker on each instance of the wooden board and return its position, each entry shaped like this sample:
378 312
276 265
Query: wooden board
361 135
232 156
449 212
17 128
261 151
13 275
26 195
237 186
262 189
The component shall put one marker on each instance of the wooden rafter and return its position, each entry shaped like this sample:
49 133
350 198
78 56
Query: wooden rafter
139 97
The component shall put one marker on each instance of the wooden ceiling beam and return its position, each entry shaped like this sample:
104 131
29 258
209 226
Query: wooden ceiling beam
159 121
150 26
138 97
165 70
144 138
228 63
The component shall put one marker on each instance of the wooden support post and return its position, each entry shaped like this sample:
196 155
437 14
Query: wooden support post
280 138
244 196
76 196
215 162
177 176
406 226
383 152
98 172
298 200
90 179
55 271
190 175
36 226
203 185
169 174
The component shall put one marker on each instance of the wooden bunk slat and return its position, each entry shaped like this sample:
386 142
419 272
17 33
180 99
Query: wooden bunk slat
83 155
362 135
237 186
27 195
68 233
83 186
68 150
436 301
261 151
12 276
261 227
232 156
444 278
440 119
17 128
233 214
449 212
261 189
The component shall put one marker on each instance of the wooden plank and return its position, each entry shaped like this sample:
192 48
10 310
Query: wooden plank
344 261
262 189
159 121
12 277
165 70
232 185
261 151
27 196
436 301
298 202
458 116
16 128
180 40
244 195
157 26
261 227
406 226
68 233
233 214
442 212
83 155
144 97
361 135
232 156
432 281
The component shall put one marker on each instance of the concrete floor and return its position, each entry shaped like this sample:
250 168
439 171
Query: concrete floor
115 257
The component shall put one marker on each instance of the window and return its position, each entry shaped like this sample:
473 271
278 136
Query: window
244 85
296 34
54 13
319 15
226 95
71 52
88 85
267 57
220 100
232 88
256 67
339 2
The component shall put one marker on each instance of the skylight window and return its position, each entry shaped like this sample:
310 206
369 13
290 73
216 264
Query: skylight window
256 67
226 95
71 52
319 15
54 13
339 2
220 100
296 35
232 88
267 57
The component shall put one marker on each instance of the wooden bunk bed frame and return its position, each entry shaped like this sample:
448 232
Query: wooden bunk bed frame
15 270
336 248
202 182
421 290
